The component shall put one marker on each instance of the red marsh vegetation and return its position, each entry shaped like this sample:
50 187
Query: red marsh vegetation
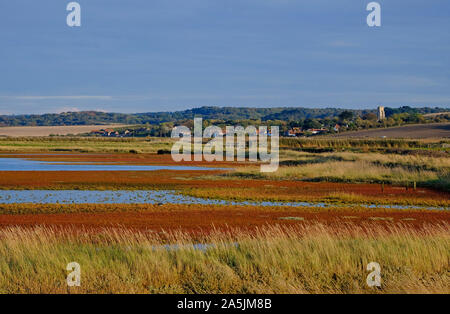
211 184
203 218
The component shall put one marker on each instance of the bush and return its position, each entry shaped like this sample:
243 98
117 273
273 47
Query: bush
163 152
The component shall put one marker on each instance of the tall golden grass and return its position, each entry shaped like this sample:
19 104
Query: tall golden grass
302 259
415 161
358 171
357 160
345 171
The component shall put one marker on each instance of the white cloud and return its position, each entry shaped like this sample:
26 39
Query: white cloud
67 109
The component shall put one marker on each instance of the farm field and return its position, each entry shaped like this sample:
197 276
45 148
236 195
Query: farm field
419 131
333 206
19 131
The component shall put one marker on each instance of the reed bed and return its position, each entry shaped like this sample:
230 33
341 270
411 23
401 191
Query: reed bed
359 171
413 161
301 259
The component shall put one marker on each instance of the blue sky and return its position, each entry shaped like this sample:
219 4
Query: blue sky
164 55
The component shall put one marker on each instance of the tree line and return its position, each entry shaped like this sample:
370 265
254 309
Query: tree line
226 114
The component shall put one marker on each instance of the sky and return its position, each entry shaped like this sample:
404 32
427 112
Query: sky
166 55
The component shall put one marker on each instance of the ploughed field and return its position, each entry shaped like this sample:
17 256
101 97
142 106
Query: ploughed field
17 131
423 131
223 227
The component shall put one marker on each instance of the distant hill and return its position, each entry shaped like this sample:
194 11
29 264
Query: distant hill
214 113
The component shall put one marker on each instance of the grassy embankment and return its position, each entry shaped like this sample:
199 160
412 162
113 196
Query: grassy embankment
305 259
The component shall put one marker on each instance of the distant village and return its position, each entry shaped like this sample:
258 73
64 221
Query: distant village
131 132
143 131
346 121
303 132
299 132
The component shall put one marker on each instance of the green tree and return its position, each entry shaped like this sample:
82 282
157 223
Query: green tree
346 115
311 124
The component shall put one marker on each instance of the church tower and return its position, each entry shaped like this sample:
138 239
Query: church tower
380 114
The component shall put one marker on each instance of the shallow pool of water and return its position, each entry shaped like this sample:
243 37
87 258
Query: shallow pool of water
18 164
148 197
